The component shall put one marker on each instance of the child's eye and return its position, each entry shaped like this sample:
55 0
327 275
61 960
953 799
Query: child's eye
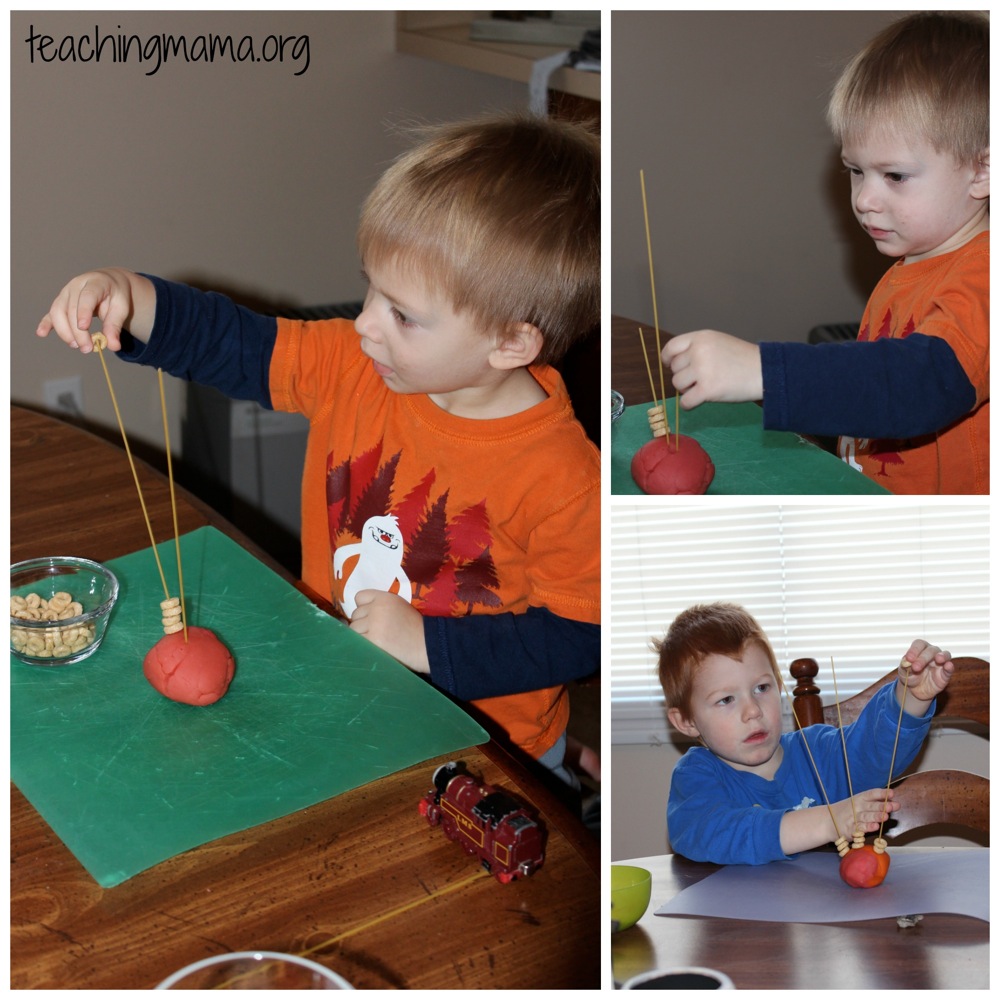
764 688
725 701
896 178
400 318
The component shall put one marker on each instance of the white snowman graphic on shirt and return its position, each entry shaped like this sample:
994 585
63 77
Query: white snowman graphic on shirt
379 565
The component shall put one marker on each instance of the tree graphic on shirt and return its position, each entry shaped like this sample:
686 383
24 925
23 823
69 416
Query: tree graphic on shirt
427 548
447 558
341 498
477 582
885 330
886 458
414 505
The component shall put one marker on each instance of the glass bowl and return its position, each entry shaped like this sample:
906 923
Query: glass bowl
59 609
617 405
255 970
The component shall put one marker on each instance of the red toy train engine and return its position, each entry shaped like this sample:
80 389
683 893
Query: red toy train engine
487 823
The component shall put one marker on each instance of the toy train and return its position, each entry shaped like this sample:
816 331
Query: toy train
487 823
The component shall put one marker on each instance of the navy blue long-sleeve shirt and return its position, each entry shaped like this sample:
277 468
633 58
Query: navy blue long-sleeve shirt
890 388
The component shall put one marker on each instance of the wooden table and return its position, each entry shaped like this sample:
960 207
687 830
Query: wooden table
629 375
361 883
943 951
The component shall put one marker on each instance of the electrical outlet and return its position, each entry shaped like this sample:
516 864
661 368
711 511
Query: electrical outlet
64 395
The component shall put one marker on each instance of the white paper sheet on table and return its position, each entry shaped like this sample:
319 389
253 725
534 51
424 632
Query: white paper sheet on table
808 889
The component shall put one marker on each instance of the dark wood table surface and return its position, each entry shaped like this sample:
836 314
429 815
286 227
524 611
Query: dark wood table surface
360 883
629 374
943 951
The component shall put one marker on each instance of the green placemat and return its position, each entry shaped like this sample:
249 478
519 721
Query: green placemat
127 778
747 458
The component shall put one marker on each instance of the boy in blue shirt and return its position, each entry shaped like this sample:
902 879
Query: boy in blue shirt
749 794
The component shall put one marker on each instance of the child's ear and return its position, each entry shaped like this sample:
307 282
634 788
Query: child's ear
517 347
981 178
681 723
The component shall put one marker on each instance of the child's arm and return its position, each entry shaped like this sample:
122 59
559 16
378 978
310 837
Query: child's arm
119 298
930 671
708 817
199 336
929 674
480 656
805 829
886 388
484 656
898 388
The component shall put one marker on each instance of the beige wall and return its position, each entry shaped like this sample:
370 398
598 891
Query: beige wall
749 215
245 177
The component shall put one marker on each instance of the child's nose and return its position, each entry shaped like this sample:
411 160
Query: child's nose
752 710
363 324
864 198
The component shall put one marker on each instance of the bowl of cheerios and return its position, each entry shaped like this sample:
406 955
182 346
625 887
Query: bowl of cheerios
59 609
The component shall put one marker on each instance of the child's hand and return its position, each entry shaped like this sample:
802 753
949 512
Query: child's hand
713 367
930 671
393 625
869 810
116 297
805 829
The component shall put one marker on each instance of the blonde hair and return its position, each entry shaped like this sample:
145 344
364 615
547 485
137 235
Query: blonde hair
702 631
926 74
501 215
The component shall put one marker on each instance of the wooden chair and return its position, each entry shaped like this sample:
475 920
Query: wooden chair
929 799
941 798
966 697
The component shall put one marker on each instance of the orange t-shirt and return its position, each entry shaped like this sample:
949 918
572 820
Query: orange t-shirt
949 297
459 516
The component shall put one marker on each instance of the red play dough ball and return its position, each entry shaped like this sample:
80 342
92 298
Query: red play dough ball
664 466
196 672
864 867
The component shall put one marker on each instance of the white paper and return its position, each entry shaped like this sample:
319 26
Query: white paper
808 889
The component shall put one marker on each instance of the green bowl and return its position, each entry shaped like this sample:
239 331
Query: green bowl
630 892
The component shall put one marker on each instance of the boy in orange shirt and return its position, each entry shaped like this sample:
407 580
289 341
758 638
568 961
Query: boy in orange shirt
450 499
910 398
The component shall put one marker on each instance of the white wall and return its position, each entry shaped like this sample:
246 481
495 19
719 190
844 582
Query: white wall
239 176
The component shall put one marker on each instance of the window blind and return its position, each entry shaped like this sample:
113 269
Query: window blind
853 582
